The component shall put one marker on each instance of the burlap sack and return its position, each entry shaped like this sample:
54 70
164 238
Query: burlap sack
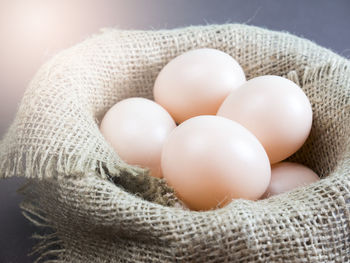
96 205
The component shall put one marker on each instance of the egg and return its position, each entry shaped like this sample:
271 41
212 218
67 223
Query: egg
210 160
137 128
275 110
197 82
286 176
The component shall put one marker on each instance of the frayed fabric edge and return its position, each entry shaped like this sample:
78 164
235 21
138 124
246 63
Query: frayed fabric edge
35 163
49 247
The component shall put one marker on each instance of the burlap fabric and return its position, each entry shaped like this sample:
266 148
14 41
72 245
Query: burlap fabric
102 210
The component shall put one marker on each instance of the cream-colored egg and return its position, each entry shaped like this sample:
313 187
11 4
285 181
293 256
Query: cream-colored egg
286 176
197 82
210 160
275 110
137 128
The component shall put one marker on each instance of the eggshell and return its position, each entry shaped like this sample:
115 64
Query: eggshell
286 176
137 128
210 160
197 82
275 110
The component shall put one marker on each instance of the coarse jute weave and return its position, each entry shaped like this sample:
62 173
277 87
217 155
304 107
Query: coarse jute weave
102 210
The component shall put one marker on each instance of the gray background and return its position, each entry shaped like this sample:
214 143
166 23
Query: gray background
325 22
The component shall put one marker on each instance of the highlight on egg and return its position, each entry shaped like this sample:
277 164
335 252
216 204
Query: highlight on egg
275 110
197 82
136 128
210 160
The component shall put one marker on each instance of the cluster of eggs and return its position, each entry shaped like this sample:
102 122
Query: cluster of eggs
231 137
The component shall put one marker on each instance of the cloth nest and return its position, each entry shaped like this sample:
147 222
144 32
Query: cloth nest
100 209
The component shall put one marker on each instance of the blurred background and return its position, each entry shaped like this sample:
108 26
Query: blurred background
32 31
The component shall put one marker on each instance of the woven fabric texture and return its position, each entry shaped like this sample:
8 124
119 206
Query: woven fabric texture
100 209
